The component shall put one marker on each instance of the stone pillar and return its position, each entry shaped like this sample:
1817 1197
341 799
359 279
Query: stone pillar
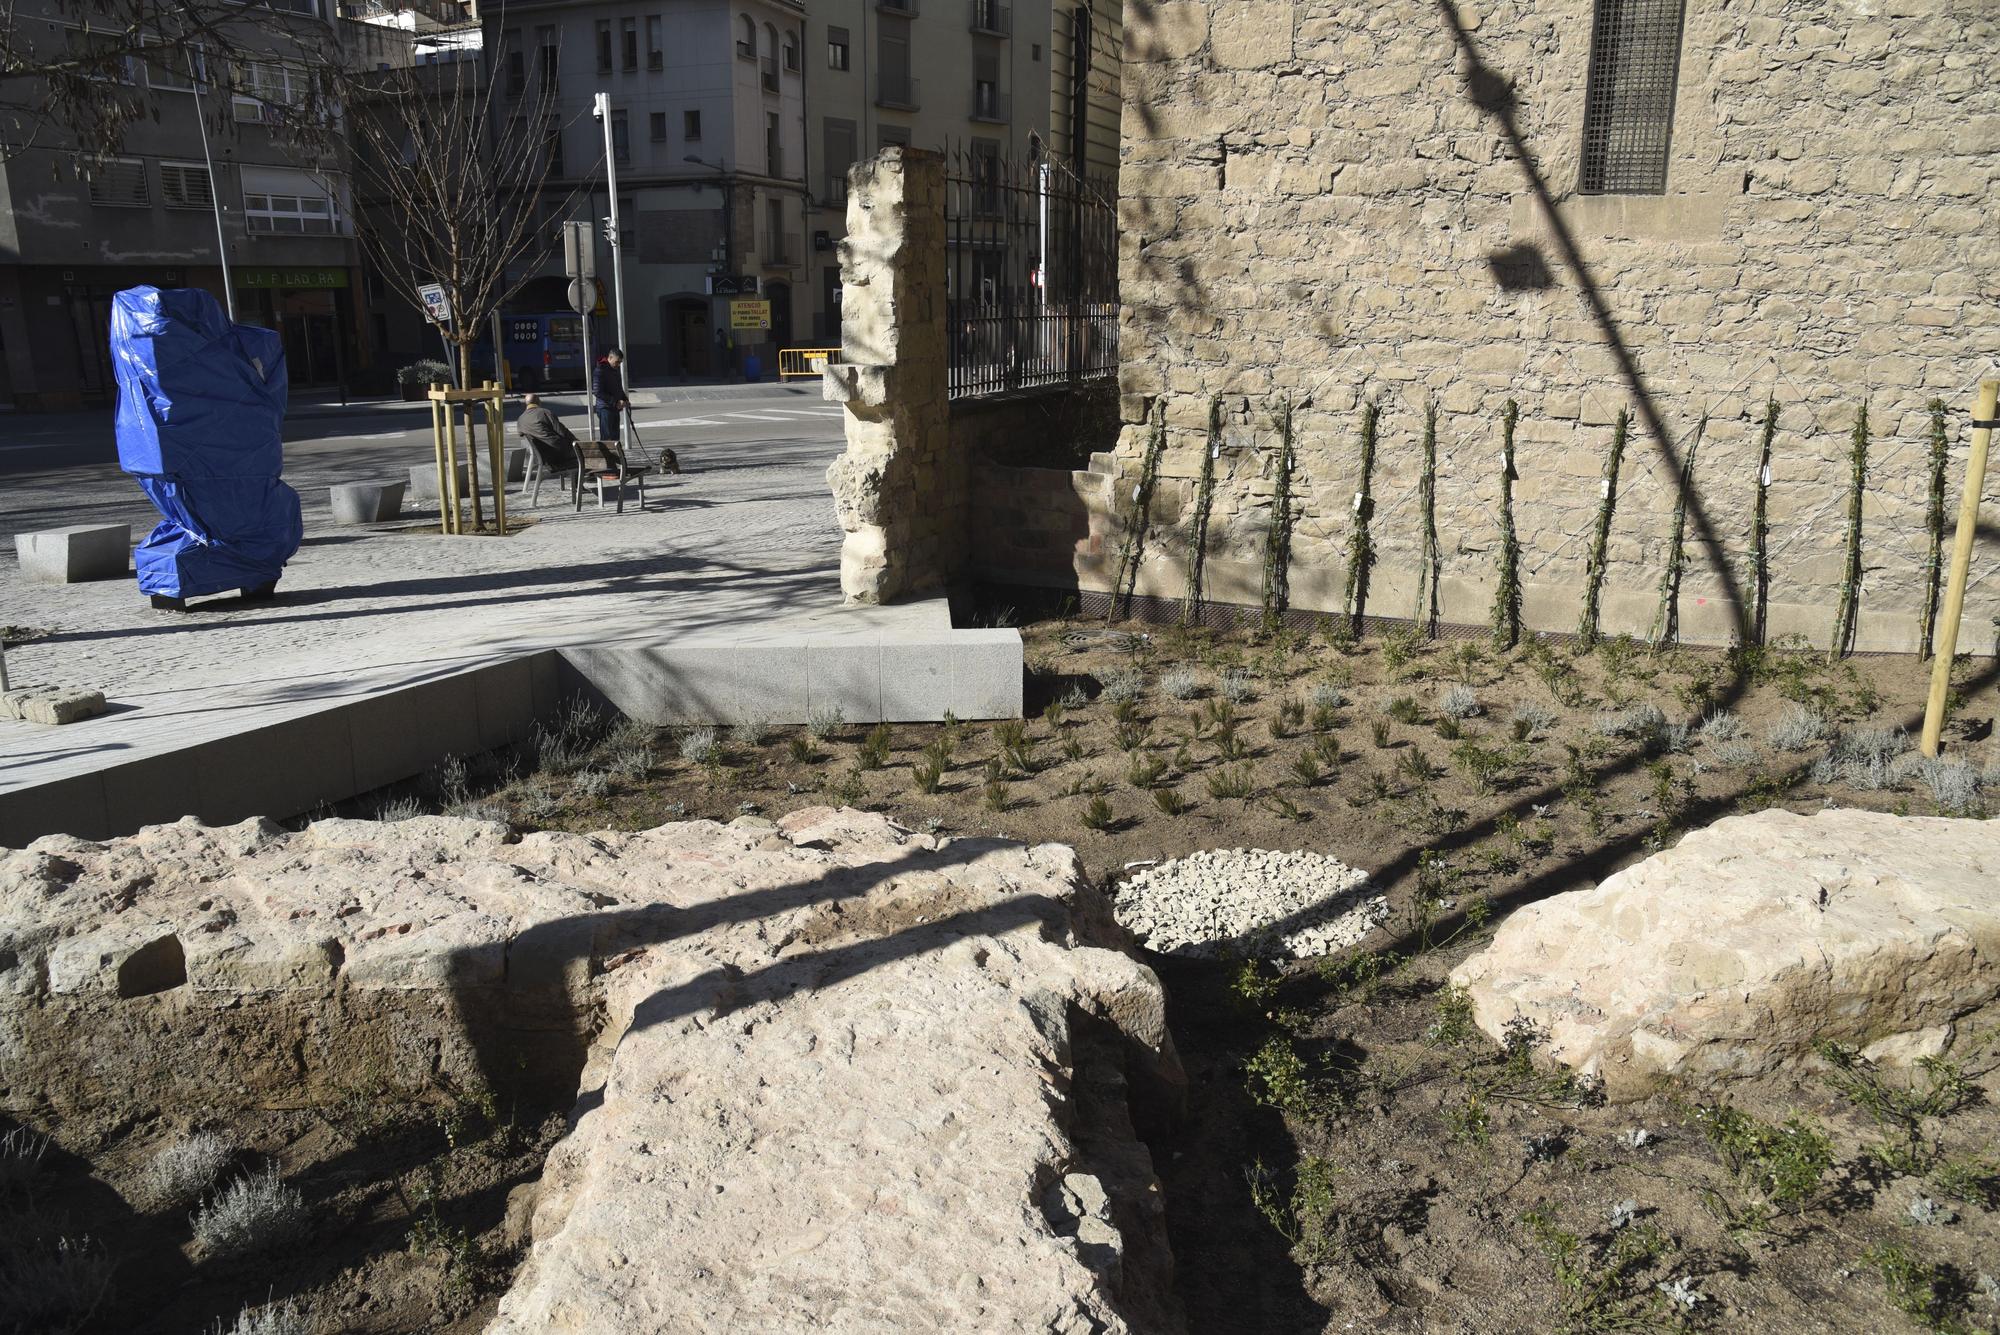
900 490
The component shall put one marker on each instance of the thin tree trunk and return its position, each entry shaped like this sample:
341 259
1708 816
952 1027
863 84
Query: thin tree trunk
471 439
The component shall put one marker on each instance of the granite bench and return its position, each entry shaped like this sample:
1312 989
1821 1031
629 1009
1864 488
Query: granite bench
72 555
367 502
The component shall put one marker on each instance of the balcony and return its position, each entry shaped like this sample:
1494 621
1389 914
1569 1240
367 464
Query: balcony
834 196
991 105
746 50
897 92
907 8
992 20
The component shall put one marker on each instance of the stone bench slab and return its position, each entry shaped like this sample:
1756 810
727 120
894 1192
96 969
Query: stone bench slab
367 502
75 554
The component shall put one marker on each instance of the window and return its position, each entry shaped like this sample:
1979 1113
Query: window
770 59
286 201
173 69
120 182
838 154
101 57
604 46
691 126
185 185
657 124
836 48
552 132
1628 104
628 43
893 84
792 51
517 63
656 55
746 43
621 138
545 38
774 149
888 136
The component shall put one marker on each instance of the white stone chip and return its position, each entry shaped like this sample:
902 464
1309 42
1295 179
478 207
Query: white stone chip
1228 902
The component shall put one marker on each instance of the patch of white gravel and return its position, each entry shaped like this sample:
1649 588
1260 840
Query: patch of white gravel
1225 903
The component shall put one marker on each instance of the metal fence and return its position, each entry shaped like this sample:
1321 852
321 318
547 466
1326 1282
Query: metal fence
1031 274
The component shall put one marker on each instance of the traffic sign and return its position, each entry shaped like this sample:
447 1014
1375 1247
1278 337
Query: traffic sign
586 296
749 315
437 306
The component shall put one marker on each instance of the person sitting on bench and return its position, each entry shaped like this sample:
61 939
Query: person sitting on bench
553 443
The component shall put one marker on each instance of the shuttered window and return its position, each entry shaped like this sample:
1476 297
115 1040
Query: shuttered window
119 181
1628 114
185 185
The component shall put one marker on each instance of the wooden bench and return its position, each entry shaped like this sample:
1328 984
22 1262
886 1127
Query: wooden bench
602 462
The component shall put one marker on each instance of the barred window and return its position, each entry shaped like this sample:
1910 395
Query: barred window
120 181
1628 110
185 185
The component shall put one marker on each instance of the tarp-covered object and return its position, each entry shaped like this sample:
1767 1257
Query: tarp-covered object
201 407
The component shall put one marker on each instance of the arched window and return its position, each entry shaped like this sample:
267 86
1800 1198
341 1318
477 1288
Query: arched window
746 45
792 52
770 59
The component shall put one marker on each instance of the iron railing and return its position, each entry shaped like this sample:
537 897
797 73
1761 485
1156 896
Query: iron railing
1031 286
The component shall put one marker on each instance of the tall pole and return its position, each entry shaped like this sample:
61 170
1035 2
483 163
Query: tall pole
617 237
1961 560
214 189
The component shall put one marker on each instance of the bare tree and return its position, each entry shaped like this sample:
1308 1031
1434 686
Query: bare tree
453 164
73 72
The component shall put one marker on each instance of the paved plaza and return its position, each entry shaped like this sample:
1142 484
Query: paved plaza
745 540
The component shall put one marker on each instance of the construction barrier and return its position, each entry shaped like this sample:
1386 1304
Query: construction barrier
798 362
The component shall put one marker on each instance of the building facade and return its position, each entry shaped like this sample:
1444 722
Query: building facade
708 136
979 79
73 232
1690 212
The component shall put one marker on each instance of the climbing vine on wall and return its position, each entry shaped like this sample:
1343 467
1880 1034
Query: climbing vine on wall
1934 528
1600 539
1667 620
1133 549
1427 577
1360 548
1760 526
1204 498
1507 594
1850 579
1278 538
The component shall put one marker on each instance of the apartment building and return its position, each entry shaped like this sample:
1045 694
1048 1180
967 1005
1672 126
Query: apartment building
73 233
707 132
989 79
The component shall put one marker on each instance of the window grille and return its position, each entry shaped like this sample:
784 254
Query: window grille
185 185
119 181
1628 113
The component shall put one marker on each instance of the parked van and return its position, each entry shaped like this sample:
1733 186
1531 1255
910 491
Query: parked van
542 351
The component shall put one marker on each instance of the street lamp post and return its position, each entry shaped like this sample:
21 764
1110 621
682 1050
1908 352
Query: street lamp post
602 110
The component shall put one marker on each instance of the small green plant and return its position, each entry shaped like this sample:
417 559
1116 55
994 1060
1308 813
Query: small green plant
1306 769
1285 809
1484 766
1452 1023
1930 1294
1507 589
1902 1114
1254 986
995 793
1290 718
1228 782
1277 1077
1169 801
1098 815
1378 733
1606 1284
1467 1121
1305 1218
823 724
1361 973
1417 767
1131 736
1405 709
1401 648
927 773
253 1214
1145 770
1782 1166
874 752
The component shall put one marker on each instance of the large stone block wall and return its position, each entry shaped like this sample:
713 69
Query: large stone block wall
1317 206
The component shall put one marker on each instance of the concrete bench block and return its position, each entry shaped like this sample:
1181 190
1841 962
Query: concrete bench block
517 463
424 483
72 555
366 502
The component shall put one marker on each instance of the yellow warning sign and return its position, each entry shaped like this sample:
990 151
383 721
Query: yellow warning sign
749 314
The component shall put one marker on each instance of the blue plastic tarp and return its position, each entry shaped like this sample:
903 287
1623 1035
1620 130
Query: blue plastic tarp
201 410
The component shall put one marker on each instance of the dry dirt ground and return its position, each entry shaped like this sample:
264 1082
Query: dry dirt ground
1353 1155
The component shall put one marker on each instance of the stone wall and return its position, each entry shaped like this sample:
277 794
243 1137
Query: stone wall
1336 203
